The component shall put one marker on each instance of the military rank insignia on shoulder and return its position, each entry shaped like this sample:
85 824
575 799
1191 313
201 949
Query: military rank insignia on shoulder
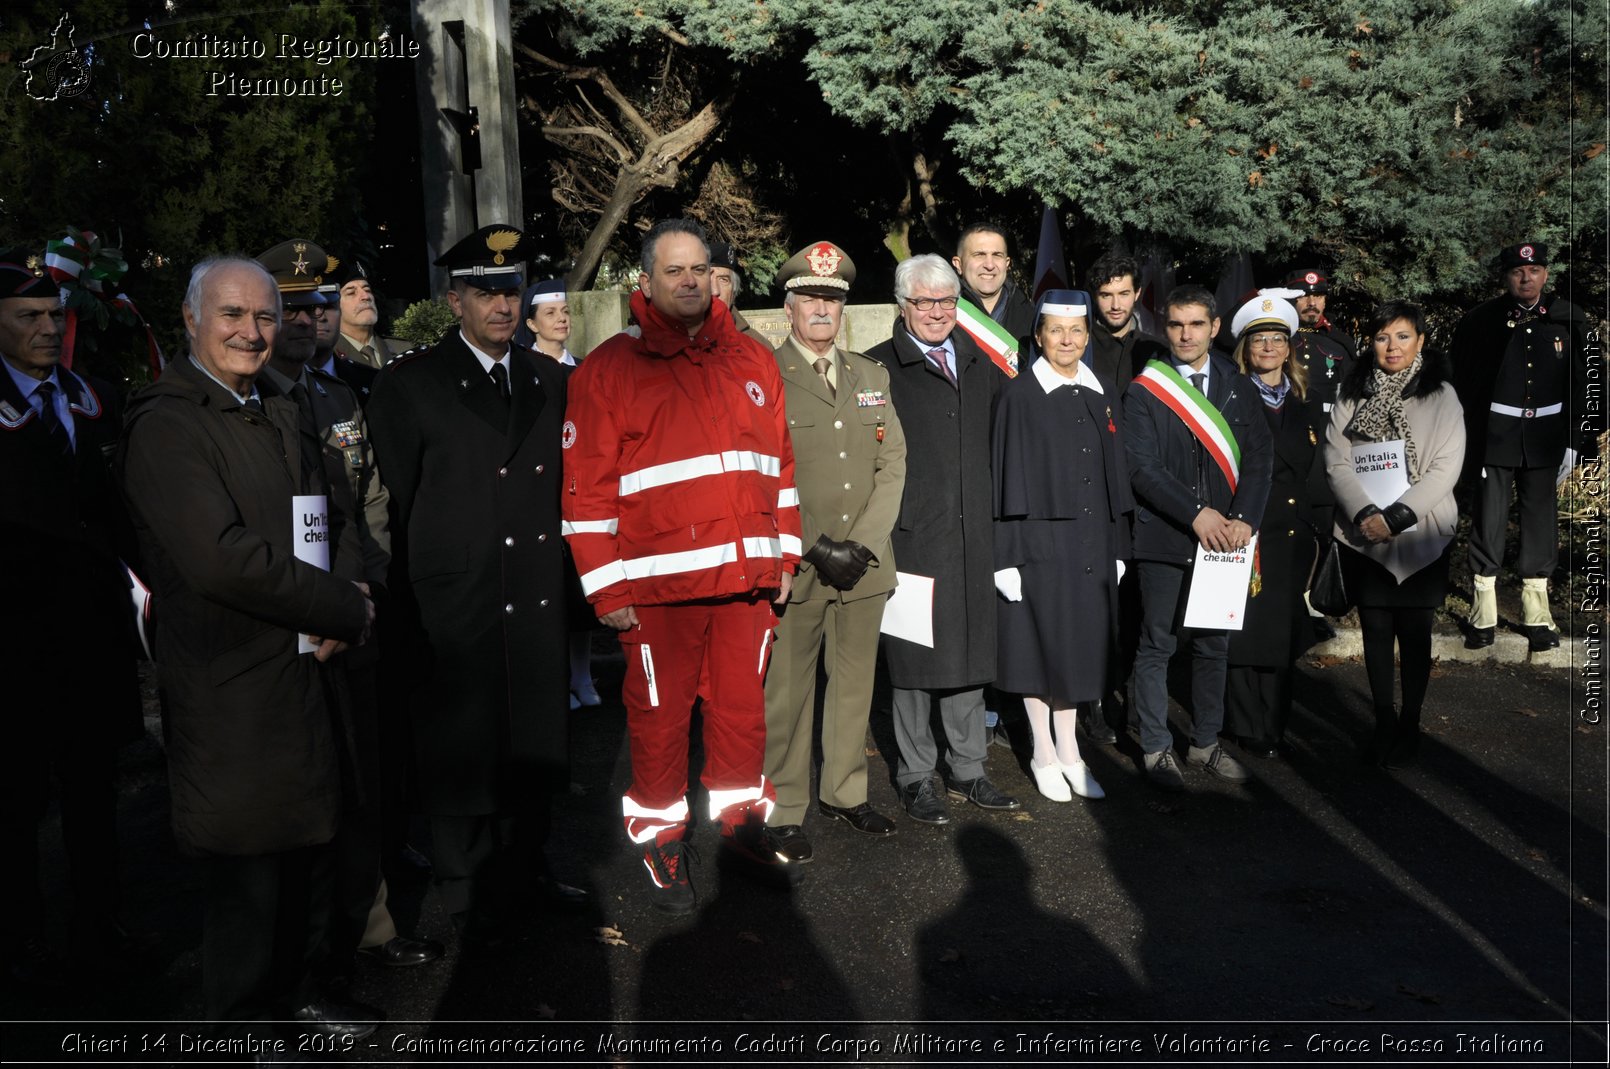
404 356
870 399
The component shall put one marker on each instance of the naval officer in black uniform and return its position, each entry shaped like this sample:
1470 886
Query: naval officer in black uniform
1520 364
468 434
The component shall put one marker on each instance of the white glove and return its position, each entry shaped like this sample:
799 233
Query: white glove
1010 584
1121 570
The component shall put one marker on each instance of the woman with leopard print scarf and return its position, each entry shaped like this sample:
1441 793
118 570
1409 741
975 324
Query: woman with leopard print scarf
1395 553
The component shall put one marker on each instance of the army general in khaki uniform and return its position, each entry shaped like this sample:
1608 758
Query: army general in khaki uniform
850 468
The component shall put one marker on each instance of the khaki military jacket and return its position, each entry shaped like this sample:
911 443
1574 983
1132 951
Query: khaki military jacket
849 464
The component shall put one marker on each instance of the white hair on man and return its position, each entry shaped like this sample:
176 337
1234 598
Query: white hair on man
928 271
199 273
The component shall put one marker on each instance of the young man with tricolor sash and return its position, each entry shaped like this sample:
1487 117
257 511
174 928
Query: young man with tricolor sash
1199 459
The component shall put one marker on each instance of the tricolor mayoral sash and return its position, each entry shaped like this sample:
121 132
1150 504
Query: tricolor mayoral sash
1204 420
1200 416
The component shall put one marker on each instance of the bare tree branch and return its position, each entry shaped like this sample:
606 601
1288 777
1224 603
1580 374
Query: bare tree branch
598 78
623 153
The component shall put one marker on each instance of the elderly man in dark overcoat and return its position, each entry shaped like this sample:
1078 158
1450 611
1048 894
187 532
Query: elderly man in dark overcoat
467 433
255 730
943 386
68 660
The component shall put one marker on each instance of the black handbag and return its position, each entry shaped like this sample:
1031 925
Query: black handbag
1329 593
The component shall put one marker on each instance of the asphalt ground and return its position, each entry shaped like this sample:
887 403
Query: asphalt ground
1325 911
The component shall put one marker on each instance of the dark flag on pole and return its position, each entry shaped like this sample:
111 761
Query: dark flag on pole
1235 288
1050 265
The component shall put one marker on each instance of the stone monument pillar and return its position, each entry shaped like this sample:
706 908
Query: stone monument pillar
470 140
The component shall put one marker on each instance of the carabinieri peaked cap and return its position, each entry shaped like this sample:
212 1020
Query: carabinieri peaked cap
492 258
23 274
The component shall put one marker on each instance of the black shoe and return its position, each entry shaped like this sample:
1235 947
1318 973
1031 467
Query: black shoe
863 818
923 803
1542 637
338 1018
561 896
789 841
984 794
1378 747
997 735
402 952
1480 638
1258 747
1096 727
408 865
1323 629
1405 749
668 867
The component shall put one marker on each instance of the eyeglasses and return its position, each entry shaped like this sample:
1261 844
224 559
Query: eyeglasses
927 304
314 311
1269 341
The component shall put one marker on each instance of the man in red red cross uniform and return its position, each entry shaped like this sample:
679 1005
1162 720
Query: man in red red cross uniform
681 512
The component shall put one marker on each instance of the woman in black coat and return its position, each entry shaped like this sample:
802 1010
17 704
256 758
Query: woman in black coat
1275 629
1061 492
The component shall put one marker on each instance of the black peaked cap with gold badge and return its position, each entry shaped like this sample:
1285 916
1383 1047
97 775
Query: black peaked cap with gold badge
492 258
299 267
23 274
819 270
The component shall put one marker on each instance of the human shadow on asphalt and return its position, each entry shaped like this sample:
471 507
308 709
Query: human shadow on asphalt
999 955
1260 901
554 965
748 954
1522 914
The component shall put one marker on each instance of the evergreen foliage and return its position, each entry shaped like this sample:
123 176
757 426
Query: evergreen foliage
1403 140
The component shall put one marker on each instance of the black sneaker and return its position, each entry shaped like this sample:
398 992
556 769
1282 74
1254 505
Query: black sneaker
668 867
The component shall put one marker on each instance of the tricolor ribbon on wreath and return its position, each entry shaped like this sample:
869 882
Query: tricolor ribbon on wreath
1207 424
88 274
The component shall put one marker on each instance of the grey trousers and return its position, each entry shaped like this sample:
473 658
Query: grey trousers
961 712
1162 592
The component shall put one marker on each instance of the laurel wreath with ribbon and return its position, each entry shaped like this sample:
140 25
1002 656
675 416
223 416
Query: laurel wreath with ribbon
88 274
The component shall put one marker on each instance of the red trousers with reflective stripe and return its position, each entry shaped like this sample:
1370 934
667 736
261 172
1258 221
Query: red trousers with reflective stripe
711 650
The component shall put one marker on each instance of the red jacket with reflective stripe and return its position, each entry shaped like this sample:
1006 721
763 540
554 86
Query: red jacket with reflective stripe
679 475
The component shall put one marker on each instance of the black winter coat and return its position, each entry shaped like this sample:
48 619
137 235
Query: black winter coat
71 650
944 529
1173 476
478 579
1296 523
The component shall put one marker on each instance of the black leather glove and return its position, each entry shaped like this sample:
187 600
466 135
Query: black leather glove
864 557
840 564
1399 517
